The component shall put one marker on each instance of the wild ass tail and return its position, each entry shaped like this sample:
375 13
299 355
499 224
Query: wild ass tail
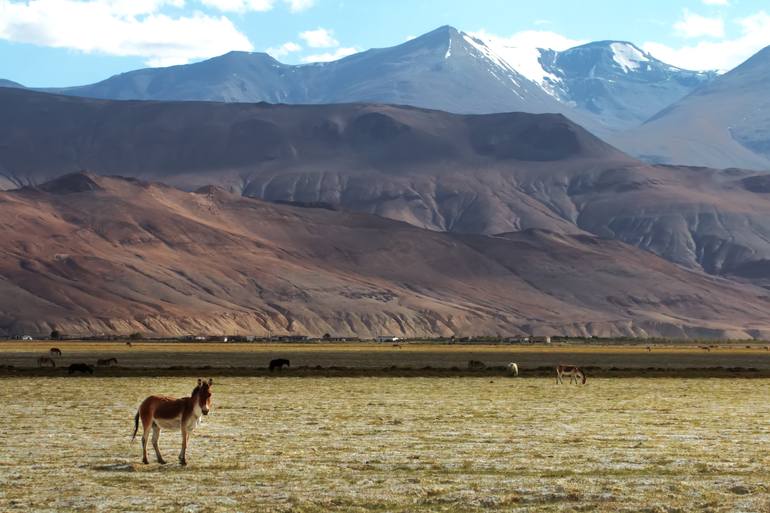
136 426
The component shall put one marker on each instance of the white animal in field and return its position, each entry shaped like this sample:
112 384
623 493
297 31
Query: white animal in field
513 369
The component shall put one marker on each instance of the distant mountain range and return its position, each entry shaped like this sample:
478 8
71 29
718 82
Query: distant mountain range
604 86
649 109
444 69
88 254
485 174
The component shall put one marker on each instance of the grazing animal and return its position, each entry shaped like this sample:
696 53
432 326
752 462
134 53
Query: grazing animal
128 344
278 363
80 367
575 374
476 365
160 412
55 351
106 362
44 360
649 349
706 348
513 369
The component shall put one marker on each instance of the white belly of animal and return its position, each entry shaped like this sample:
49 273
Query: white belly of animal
173 423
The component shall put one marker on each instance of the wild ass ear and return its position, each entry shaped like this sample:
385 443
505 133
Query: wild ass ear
211 381
200 381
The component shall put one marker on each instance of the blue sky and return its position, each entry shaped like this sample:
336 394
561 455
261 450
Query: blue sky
70 42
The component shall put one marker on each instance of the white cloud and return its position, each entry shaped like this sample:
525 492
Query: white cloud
716 2
339 53
722 55
319 38
284 50
122 28
240 5
694 25
299 5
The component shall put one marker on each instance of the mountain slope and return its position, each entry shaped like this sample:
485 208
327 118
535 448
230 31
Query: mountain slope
10 83
723 124
614 82
213 262
468 174
445 69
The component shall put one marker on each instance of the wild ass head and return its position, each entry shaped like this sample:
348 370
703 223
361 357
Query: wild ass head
202 394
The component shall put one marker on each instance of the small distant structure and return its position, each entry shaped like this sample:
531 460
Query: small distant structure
543 339
292 338
387 338
26 337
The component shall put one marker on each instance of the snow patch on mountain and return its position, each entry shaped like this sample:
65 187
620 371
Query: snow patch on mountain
491 56
527 62
628 56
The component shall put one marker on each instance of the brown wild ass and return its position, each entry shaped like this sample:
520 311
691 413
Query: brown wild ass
44 360
55 351
106 362
574 373
160 412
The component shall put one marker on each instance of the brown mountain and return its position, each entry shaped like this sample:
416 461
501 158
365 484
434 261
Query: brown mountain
89 254
483 174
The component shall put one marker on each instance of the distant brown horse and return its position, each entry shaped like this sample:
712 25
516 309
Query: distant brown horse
576 375
128 344
161 412
106 362
55 351
45 360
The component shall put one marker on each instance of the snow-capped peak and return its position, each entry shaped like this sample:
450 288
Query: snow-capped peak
627 56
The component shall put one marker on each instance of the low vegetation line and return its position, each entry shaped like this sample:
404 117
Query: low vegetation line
393 371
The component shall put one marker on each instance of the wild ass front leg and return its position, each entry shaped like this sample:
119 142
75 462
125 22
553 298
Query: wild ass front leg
183 453
155 437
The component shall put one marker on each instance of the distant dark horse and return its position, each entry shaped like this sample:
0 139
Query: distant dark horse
278 363
106 362
55 351
80 367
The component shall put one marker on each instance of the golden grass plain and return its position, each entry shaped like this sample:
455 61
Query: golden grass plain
393 444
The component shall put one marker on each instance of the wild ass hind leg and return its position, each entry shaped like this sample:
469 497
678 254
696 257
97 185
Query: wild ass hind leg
155 438
146 426
183 452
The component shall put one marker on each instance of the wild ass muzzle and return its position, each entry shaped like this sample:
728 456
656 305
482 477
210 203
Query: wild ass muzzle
575 374
161 412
